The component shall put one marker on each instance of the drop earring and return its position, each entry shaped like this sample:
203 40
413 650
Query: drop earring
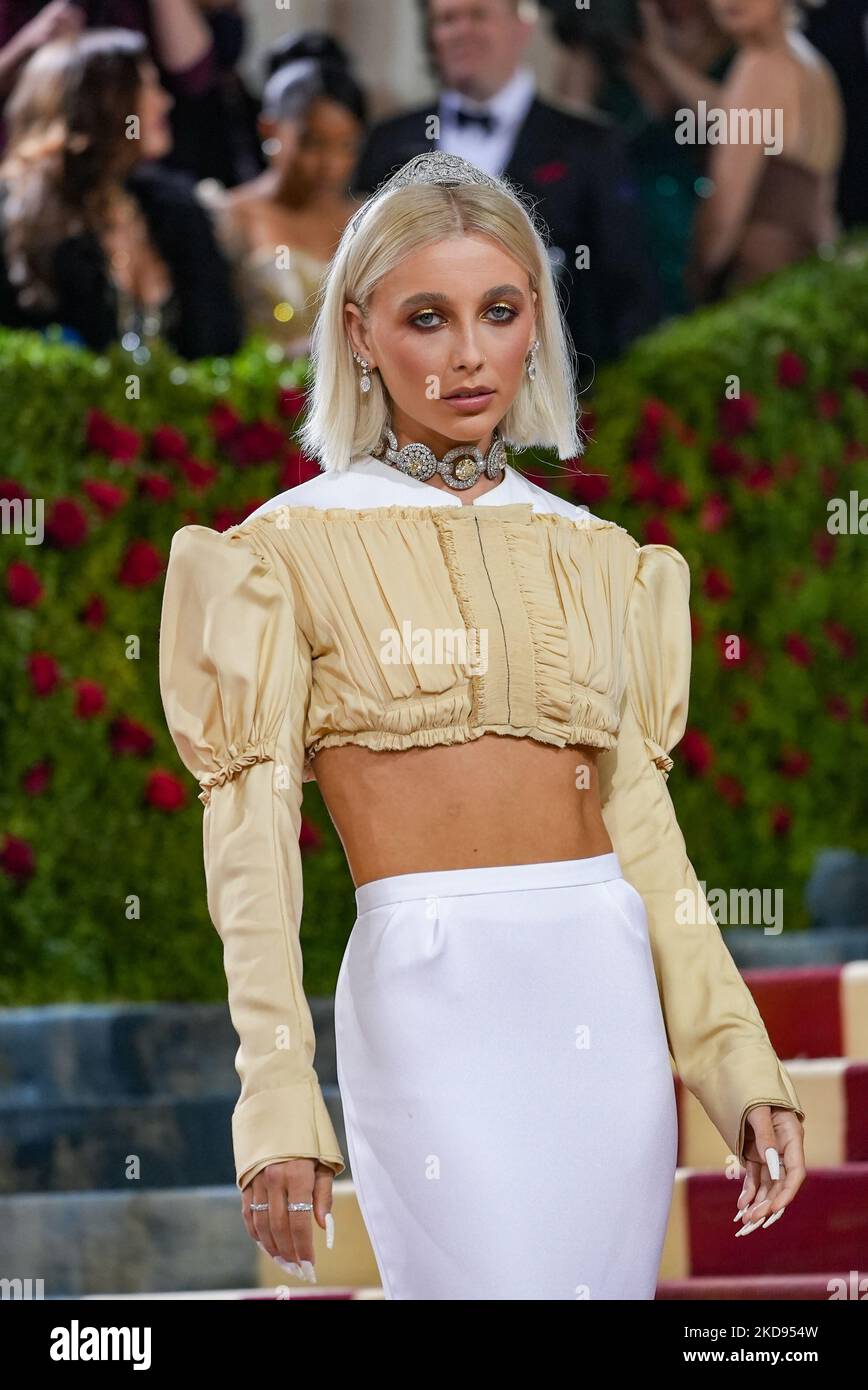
531 359
364 379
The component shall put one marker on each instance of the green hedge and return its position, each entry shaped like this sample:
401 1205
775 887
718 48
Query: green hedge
101 882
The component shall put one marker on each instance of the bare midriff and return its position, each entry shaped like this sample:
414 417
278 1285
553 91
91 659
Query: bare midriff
496 799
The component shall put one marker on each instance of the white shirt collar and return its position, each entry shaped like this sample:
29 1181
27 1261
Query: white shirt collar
371 482
510 104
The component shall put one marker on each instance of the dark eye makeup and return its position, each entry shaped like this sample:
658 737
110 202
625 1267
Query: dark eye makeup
427 327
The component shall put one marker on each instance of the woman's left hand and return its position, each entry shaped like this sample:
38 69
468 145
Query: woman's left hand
765 1196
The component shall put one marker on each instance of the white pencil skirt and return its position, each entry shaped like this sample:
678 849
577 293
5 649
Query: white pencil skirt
508 1098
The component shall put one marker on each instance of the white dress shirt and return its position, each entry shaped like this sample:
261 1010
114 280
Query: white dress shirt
509 106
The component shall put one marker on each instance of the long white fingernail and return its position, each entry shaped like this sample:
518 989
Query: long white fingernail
330 1230
308 1272
746 1230
773 1163
775 1217
289 1265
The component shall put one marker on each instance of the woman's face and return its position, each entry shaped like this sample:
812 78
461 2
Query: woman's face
153 107
742 18
323 149
458 313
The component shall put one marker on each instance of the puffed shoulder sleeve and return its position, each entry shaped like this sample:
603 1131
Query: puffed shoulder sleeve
717 1038
235 682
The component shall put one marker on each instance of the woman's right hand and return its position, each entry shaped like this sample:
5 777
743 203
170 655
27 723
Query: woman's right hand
287 1236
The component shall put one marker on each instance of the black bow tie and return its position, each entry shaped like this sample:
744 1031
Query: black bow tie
464 117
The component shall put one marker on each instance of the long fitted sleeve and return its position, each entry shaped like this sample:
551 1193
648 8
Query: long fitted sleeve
235 681
716 1036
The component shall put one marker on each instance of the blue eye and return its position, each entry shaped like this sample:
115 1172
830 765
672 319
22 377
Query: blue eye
511 312
424 314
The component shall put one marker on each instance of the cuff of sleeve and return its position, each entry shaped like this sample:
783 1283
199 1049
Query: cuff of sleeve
287 1122
749 1076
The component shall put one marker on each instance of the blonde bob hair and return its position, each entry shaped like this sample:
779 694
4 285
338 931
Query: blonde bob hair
342 423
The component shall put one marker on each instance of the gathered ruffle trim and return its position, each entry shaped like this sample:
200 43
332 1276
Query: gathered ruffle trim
384 739
259 753
552 693
458 581
659 755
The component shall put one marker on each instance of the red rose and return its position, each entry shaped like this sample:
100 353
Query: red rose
16 858
94 611
794 762
164 791
781 819
738 415
740 711
552 172
644 480
588 488
726 461
223 422
126 736
23 585
156 487
837 707
791 370
828 405
13 491
697 630
760 477
105 496
730 790
66 526
725 646
296 469
44 673
225 517
291 401
798 650
106 436
696 752
716 584
715 513
657 532
823 546
859 379
167 442
90 699
841 638
655 414
199 475
36 779
672 493
257 443
141 565
309 836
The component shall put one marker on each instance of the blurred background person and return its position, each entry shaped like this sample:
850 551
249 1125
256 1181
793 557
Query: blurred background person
606 68
177 35
839 29
94 234
764 211
215 130
281 229
574 168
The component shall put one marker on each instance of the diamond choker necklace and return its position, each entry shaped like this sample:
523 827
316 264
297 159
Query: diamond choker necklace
460 468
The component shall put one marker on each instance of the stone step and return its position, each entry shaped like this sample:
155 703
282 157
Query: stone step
65 1053
154 1143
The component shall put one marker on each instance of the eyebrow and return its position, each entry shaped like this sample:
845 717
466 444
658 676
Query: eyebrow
437 297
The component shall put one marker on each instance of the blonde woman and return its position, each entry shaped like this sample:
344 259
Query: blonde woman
487 683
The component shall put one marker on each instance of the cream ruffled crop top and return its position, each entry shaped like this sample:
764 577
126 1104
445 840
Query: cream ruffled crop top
372 608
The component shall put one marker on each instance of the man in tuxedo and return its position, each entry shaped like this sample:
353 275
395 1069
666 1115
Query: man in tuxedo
573 168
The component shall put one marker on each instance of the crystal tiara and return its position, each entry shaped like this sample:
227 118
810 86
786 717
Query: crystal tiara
435 166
